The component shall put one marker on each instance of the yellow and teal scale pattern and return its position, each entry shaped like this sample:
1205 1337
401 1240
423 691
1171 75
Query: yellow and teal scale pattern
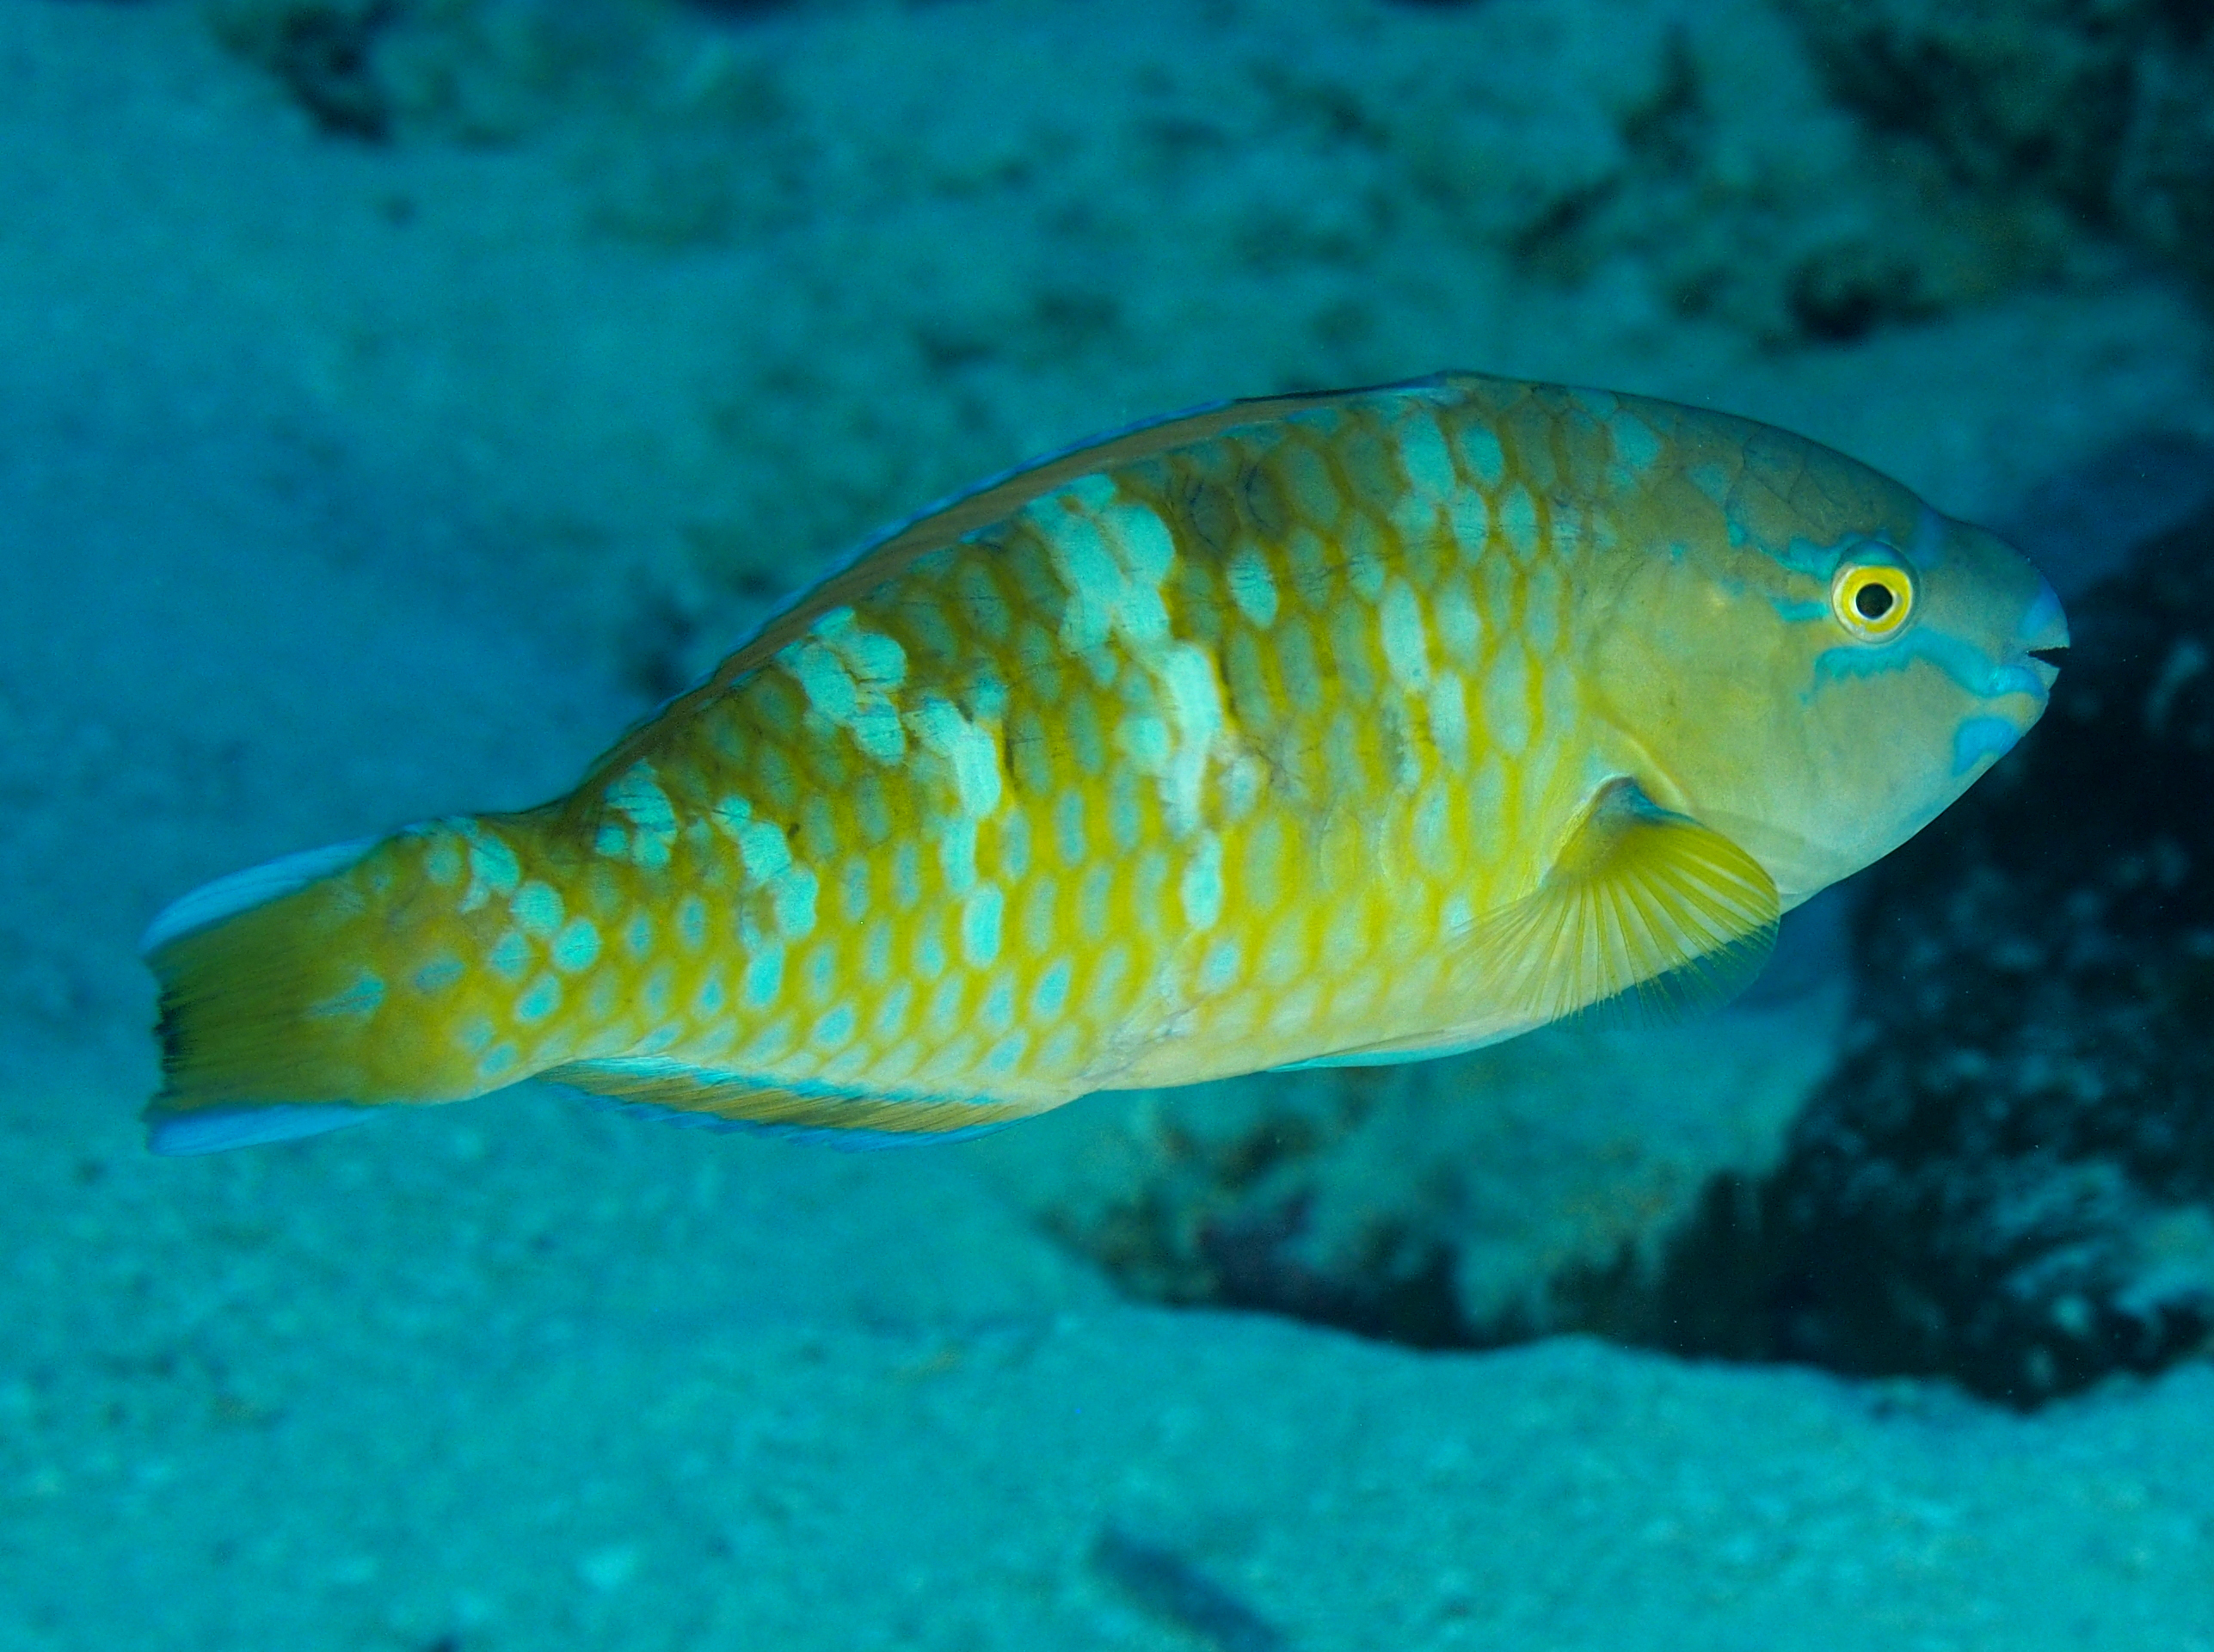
1184 767
1178 757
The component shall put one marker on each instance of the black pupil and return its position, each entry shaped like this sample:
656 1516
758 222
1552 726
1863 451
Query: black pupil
1873 601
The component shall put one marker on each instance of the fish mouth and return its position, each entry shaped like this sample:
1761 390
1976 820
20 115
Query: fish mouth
2042 638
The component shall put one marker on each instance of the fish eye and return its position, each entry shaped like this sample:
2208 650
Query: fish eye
1871 600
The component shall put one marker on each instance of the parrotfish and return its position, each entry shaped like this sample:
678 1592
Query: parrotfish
1337 727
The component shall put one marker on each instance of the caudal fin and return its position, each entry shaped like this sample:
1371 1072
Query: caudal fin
299 996
232 958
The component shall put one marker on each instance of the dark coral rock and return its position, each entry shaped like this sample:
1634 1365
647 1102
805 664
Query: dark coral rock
325 52
1530 1189
2008 1178
2107 106
477 72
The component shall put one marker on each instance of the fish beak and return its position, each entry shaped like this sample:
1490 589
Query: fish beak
2043 633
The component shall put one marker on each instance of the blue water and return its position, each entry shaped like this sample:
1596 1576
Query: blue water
396 402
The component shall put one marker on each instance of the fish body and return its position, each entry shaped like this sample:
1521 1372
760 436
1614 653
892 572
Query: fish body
1350 727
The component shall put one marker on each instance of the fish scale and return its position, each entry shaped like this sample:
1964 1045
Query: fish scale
1136 1008
1247 739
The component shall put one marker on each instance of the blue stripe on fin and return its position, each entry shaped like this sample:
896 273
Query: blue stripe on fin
1201 419
218 1129
256 885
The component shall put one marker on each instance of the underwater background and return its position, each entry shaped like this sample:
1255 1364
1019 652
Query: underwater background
399 396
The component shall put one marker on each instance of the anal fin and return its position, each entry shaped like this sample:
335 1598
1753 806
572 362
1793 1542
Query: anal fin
656 1086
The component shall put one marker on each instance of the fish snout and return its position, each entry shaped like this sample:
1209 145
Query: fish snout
2043 634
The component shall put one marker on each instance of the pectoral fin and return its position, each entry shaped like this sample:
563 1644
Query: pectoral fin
1646 917
1646 914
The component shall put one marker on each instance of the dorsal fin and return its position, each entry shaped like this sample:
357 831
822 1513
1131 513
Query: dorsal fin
999 497
993 499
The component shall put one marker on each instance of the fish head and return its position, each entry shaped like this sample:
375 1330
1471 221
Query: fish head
1826 699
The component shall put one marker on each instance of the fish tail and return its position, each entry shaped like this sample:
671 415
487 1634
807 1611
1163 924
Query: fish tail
300 996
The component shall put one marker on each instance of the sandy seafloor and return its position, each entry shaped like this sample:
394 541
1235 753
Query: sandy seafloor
323 469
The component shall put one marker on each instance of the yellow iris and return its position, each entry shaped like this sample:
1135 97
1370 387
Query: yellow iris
1871 600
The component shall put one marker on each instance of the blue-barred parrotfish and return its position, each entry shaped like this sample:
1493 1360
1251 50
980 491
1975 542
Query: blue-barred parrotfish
1339 727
